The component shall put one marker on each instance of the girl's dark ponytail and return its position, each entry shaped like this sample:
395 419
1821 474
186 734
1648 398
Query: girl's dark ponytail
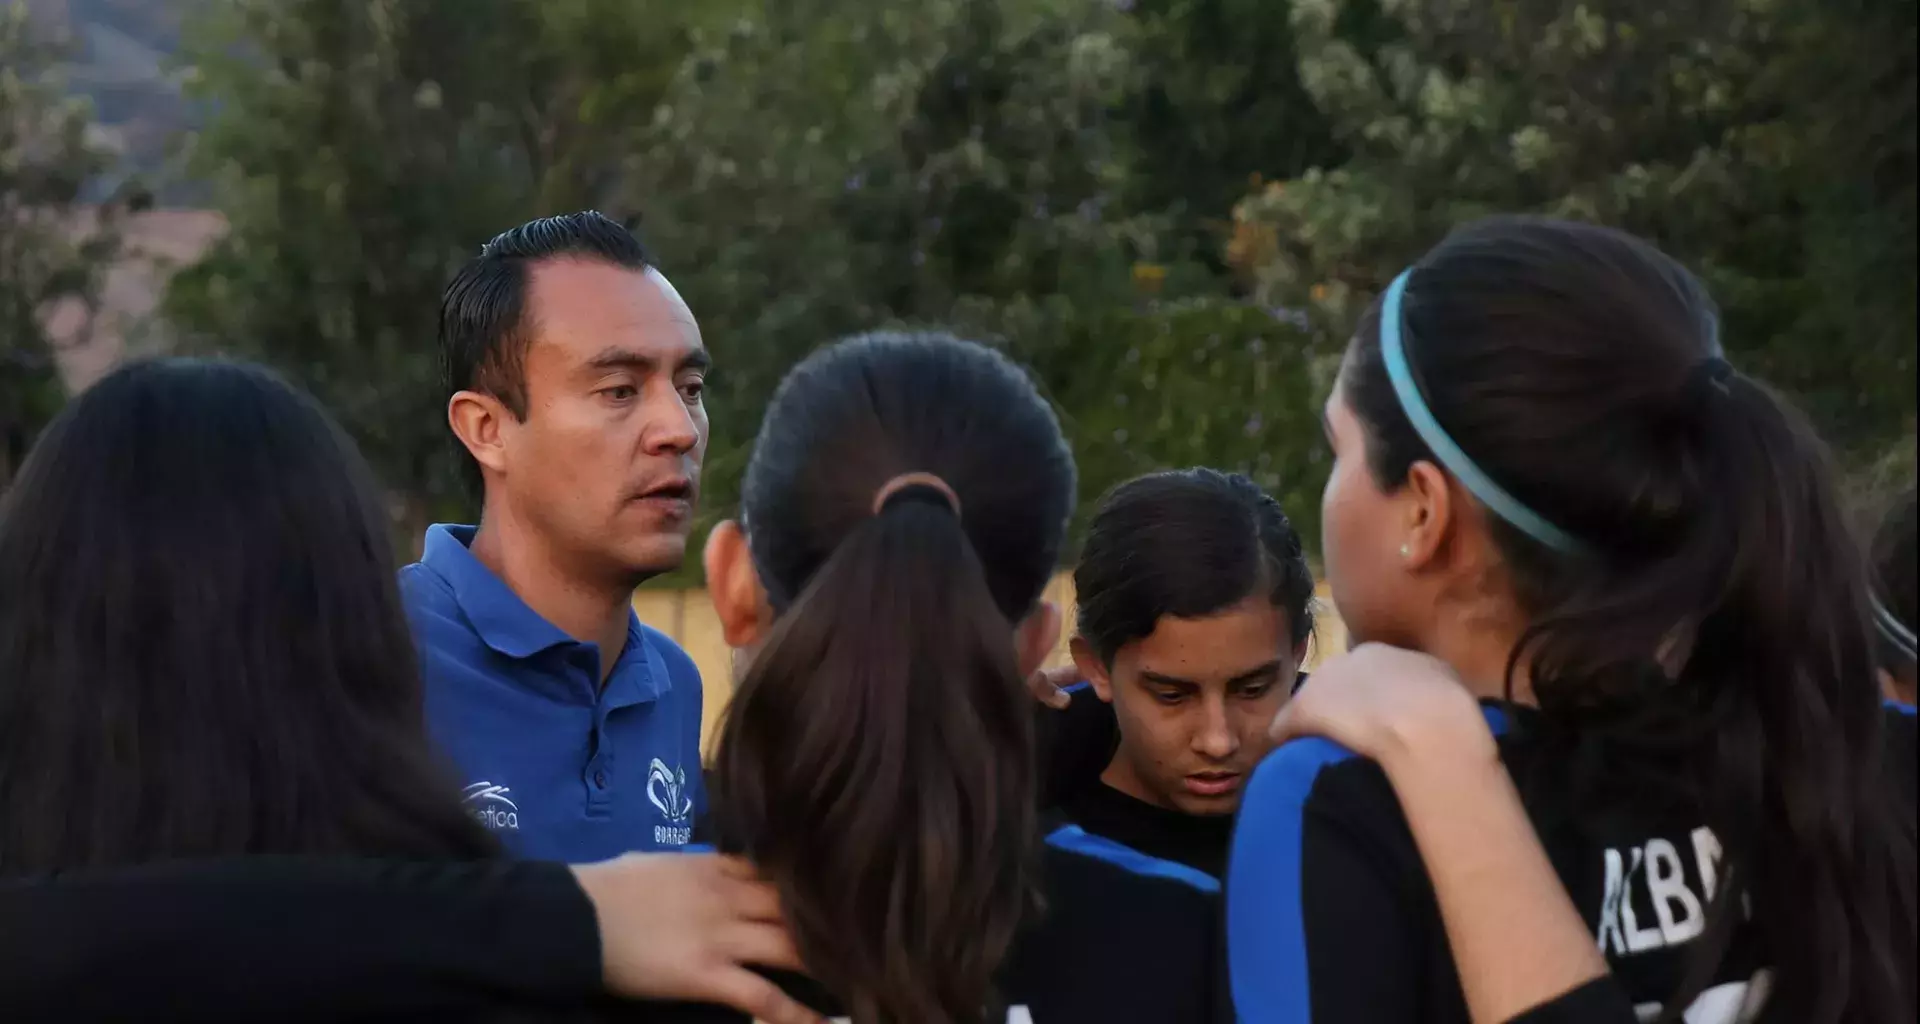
1705 640
877 762
1776 684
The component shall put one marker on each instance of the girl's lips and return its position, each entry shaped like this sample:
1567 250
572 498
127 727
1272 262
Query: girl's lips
1213 783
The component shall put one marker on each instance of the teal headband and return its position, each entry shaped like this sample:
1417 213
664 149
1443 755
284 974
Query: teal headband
1450 455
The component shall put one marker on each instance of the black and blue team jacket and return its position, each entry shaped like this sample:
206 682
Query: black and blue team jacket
1122 937
1331 917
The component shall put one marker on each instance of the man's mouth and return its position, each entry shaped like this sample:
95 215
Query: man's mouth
673 496
1213 783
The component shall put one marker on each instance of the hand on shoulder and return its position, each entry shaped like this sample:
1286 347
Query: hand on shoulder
688 926
1394 706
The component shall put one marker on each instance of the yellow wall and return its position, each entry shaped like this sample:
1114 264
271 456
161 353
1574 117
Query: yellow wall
687 616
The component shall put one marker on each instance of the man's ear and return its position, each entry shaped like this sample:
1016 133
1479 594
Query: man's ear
1092 669
1036 636
477 418
734 587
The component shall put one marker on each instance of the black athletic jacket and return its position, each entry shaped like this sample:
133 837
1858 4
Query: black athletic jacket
314 938
1076 744
1123 937
298 939
1331 917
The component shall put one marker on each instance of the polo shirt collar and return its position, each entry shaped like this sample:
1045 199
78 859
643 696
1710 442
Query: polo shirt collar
507 625
502 620
640 676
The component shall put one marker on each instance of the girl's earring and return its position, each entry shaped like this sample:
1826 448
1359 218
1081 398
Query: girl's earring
1406 551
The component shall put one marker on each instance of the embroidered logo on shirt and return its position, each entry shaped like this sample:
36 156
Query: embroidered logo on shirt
667 791
491 806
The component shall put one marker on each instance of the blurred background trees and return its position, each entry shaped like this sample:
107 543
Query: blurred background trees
1768 143
1172 210
362 150
53 247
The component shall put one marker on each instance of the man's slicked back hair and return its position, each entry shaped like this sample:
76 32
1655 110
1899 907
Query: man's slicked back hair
483 336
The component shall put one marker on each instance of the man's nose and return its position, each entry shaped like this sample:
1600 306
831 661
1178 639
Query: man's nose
671 427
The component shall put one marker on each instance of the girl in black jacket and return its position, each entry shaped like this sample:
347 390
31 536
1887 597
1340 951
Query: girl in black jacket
205 656
1548 478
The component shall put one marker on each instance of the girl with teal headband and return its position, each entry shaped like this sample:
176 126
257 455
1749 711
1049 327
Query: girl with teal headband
1611 747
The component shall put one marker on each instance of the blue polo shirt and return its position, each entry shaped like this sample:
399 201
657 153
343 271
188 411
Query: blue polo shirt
558 766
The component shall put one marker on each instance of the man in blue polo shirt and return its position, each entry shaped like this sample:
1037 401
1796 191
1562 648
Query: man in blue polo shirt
575 374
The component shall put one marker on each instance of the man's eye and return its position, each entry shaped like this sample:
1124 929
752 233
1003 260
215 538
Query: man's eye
693 389
1169 696
620 392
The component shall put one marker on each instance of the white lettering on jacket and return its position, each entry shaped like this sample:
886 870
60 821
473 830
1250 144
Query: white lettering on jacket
1679 916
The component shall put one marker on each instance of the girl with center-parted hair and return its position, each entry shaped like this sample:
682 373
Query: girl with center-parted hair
1628 759
201 649
1194 604
209 710
903 509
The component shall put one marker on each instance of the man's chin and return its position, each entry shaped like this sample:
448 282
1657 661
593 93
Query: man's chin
655 556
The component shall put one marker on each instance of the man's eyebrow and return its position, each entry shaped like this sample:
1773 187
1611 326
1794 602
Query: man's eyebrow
615 357
1166 680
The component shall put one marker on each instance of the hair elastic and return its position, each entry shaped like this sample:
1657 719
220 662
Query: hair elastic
1896 632
906 483
1451 455
1707 376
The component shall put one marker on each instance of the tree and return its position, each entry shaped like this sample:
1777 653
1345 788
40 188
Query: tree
804 169
1853 176
1217 99
1689 124
364 149
53 248
1190 382
1048 175
817 175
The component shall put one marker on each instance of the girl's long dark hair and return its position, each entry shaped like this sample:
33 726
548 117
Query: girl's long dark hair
202 647
877 762
1718 637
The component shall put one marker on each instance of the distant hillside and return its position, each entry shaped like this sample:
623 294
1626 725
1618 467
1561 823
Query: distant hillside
120 52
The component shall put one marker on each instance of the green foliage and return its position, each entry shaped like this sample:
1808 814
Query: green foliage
1218 98
363 150
1067 178
53 249
1194 383
1709 127
816 176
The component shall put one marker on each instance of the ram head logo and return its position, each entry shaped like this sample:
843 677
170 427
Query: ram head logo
667 790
